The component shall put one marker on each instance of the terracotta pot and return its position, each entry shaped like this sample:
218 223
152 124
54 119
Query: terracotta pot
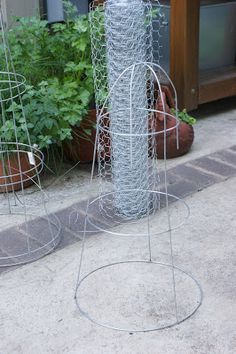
15 170
81 147
186 137
185 131
168 95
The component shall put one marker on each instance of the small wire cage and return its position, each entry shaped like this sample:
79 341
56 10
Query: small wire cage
132 284
25 235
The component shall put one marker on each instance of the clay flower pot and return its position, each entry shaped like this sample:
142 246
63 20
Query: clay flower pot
16 172
81 147
185 131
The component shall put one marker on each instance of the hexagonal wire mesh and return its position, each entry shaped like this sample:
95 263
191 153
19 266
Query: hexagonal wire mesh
24 236
155 20
117 42
129 100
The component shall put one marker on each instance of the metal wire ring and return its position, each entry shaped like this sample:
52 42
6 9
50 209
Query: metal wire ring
113 232
85 313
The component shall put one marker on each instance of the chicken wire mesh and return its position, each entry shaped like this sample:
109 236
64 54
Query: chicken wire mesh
24 236
122 34
154 21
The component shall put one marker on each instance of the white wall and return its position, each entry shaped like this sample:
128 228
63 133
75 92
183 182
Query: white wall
3 9
20 8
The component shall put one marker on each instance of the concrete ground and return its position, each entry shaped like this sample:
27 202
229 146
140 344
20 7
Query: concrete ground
38 313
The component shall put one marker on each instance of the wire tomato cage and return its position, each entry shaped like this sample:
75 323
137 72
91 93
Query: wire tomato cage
28 232
131 283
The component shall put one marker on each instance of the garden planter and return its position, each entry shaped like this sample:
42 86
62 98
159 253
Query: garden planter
186 137
185 131
81 147
17 172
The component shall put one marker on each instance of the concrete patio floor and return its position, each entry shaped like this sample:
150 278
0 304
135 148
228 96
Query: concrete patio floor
38 313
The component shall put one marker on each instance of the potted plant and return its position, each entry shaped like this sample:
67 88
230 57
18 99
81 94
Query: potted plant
20 159
56 62
185 128
19 169
20 163
81 146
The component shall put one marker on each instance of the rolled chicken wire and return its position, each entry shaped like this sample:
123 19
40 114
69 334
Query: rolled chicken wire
127 40
155 20
123 30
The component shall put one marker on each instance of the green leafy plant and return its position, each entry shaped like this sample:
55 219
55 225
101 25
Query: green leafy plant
184 116
56 62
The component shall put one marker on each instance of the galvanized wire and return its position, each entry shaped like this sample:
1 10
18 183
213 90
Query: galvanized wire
155 20
122 35
127 30
130 102
21 241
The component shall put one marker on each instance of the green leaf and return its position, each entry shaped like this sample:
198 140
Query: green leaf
85 96
184 116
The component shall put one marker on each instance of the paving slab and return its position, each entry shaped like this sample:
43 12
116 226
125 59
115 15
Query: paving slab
219 168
